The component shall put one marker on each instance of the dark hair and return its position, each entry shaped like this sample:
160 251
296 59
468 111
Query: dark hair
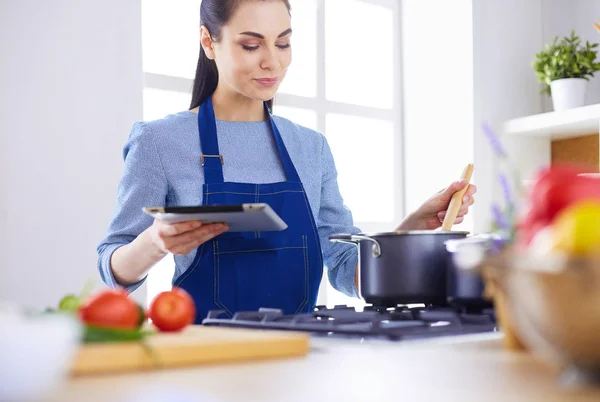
213 15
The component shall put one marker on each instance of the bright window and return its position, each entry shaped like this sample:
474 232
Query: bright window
363 150
301 78
160 102
170 37
359 49
304 117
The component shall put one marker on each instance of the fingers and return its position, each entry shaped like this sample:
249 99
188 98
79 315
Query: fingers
166 229
193 242
454 187
200 233
459 218
464 209
457 186
181 238
467 201
441 216
442 200
471 190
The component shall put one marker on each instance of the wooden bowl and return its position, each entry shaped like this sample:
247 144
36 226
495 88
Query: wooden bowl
494 291
548 305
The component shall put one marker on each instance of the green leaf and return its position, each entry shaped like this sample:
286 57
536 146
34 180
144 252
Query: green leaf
565 58
142 316
95 335
69 304
99 334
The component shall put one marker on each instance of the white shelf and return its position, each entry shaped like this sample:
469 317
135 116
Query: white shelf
555 125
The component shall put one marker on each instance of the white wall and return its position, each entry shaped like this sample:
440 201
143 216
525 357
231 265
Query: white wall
507 35
588 11
438 96
71 80
560 16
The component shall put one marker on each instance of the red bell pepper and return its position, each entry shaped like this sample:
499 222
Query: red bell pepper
555 188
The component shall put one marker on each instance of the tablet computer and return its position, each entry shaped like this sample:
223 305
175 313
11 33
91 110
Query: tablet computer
240 218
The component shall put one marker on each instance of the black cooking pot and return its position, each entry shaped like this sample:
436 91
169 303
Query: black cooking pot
402 267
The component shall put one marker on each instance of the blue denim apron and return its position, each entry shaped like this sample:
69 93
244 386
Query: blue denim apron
245 271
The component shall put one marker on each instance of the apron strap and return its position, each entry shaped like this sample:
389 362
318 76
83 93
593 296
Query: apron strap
212 161
288 166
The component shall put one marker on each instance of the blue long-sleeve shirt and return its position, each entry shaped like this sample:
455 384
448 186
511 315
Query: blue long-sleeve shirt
162 167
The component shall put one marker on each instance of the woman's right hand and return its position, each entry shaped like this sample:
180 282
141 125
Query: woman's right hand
183 237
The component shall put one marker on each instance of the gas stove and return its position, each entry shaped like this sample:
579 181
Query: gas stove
399 323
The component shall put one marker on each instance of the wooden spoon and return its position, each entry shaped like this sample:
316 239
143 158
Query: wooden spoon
456 201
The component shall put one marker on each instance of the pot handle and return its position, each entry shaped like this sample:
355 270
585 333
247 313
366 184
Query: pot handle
342 238
356 239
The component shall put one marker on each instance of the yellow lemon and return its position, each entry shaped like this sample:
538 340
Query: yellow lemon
576 229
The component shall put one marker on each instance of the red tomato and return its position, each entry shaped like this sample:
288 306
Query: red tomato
172 310
111 309
555 188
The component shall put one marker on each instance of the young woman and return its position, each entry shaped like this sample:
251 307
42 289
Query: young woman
244 55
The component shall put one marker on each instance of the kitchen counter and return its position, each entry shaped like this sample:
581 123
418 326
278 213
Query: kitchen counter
468 368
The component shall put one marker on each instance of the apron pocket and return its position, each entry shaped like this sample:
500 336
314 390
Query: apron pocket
255 273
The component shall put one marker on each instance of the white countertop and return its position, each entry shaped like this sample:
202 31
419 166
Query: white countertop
468 368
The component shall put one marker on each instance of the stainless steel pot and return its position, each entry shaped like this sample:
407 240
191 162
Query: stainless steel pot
464 288
465 285
402 267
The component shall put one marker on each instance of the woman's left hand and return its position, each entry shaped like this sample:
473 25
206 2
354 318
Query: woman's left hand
431 214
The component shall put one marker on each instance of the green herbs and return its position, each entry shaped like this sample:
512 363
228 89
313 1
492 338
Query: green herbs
102 335
104 316
565 58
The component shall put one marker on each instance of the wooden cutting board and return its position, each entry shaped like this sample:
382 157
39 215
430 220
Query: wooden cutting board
196 345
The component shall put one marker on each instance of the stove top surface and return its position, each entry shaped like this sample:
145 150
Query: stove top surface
403 322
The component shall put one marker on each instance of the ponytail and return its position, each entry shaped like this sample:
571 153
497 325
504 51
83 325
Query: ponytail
206 80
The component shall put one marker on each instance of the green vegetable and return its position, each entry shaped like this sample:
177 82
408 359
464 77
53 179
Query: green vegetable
106 335
69 303
98 334
142 316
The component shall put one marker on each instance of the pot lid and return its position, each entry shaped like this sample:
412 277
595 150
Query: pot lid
417 232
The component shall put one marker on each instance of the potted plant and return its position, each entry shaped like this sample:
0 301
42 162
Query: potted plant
564 67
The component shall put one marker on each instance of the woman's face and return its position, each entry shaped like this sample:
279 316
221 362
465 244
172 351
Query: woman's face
253 52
